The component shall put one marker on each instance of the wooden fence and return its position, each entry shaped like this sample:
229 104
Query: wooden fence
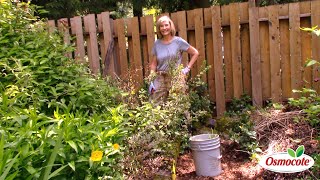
260 51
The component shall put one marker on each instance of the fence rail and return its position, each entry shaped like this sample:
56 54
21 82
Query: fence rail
260 51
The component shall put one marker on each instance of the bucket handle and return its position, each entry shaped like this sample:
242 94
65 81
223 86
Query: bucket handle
199 148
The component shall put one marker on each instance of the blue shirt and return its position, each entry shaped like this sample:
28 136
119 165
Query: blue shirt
169 55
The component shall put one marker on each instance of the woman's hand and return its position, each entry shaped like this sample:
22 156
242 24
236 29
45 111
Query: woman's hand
185 70
152 88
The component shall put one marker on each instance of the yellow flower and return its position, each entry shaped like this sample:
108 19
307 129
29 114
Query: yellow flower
116 146
96 155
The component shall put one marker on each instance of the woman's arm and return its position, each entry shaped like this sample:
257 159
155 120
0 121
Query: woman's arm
194 56
153 64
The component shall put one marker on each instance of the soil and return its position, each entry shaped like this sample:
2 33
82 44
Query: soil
236 164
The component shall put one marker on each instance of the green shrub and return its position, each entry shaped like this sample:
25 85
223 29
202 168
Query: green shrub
53 112
238 126
309 102
165 129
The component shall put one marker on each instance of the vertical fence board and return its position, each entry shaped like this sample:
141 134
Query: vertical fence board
228 62
150 36
285 59
255 56
275 67
244 12
285 52
63 26
236 50
192 38
87 40
199 31
114 50
107 58
130 58
136 50
305 7
225 14
179 19
284 10
52 26
174 19
116 54
315 21
265 60
182 24
225 20
103 50
76 28
144 46
93 50
131 64
246 62
218 60
210 53
263 12
295 47
306 50
245 47
122 49
227 57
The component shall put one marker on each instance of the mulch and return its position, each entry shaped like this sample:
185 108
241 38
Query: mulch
275 136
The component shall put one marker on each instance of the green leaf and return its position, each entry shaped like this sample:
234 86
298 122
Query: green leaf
31 170
311 62
72 165
73 145
291 152
300 150
112 132
81 145
12 176
56 172
309 29
1 152
7 170
45 174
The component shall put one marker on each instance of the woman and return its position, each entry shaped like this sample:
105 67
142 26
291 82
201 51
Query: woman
167 50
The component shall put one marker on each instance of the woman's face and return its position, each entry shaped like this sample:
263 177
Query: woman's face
165 28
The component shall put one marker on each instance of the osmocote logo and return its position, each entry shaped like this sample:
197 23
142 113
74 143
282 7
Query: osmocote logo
287 162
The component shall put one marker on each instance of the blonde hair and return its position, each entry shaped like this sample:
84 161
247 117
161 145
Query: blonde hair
160 20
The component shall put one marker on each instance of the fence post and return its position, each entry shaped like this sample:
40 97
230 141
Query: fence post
107 57
51 26
255 54
218 61
76 29
63 26
92 43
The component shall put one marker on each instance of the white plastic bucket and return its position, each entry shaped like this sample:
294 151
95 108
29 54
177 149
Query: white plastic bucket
206 154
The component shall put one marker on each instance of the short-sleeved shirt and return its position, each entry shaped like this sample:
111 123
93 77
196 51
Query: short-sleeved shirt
171 53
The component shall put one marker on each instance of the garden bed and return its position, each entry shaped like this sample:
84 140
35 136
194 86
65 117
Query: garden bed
275 136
